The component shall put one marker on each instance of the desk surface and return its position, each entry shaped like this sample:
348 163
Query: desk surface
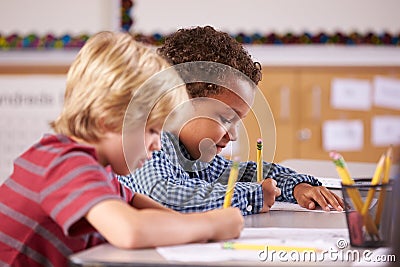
107 255
325 168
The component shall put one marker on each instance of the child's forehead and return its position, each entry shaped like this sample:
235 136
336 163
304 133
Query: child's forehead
229 104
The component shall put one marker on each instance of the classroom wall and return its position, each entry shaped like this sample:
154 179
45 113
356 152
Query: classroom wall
89 16
74 17
265 16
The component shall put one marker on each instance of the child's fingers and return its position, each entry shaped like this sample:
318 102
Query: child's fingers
278 192
332 199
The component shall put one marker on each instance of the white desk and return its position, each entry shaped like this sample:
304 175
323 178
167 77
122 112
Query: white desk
107 255
326 168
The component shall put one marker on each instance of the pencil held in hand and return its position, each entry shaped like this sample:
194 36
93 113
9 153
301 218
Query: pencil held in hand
233 175
259 160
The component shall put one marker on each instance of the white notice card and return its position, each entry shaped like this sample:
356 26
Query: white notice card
385 130
387 92
354 94
343 135
27 104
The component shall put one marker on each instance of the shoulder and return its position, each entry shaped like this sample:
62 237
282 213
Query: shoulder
59 145
56 152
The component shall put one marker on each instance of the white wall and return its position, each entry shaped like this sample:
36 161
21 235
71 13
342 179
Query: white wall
265 16
58 16
164 16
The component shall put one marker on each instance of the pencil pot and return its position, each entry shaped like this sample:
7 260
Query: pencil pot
368 211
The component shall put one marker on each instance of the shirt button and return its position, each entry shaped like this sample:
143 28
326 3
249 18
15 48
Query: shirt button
249 208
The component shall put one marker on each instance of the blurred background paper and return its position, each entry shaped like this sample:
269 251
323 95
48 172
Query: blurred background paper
351 94
387 92
385 130
343 135
27 105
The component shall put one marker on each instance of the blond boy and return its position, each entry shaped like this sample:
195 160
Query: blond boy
63 197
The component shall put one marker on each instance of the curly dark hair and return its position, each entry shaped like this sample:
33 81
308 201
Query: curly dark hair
208 44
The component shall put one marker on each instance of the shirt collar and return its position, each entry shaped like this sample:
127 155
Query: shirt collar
181 154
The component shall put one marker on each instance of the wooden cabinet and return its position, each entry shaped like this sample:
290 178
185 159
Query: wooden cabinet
300 102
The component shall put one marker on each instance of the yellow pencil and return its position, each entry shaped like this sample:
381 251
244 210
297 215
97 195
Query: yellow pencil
341 168
353 193
247 246
388 164
259 160
375 180
233 175
382 193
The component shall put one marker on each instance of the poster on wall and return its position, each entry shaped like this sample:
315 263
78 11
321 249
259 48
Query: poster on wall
385 130
343 135
27 105
351 94
387 92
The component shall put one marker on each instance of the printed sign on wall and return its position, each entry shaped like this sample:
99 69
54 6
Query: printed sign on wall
27 105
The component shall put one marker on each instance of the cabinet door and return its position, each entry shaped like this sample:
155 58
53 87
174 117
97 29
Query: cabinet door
315 108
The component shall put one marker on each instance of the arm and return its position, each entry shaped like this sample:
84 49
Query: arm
287 179
127 227
175 188
304 189
141 201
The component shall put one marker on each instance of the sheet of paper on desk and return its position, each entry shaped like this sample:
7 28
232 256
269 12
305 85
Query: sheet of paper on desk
280 205
323 239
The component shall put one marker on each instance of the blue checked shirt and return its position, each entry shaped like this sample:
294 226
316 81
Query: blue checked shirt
174 180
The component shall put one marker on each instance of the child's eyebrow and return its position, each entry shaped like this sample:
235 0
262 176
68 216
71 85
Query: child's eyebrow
235 112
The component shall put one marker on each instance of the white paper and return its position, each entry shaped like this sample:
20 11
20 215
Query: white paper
323 239
27 104
387 92
280 205
343 135
354 94
331 183
385 130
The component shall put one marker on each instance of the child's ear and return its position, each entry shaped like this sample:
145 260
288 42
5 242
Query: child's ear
102 125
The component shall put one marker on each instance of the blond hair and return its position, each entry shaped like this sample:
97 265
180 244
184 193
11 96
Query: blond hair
106 74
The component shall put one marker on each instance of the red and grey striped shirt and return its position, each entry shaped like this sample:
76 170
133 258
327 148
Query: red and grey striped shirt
44 201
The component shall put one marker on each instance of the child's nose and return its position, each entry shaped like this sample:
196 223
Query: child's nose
233 133
155 144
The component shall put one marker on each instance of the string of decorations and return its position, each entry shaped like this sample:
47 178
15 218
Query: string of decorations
337 38
126 19
50 41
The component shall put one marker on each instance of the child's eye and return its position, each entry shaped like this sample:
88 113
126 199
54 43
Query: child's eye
224 120
154 131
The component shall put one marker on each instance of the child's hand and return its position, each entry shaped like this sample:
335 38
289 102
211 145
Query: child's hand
270 192
307 196
226 223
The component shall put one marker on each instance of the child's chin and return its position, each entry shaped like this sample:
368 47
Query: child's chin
140 164
207 158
